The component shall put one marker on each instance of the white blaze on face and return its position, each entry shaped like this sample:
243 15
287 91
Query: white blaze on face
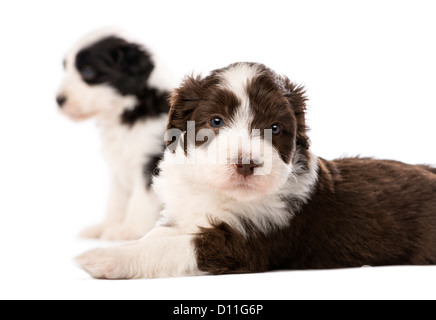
239 132
215 164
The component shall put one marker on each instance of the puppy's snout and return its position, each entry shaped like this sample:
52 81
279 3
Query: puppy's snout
61 99
246 169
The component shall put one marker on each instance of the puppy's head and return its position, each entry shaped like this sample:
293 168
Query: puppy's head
243 127
101 72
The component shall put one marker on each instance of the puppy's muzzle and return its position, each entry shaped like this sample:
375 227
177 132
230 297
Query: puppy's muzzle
246 169
61 99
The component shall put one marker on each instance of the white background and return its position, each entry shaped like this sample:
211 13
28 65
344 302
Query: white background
370 72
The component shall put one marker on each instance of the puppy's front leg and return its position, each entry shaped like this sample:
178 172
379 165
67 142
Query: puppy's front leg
164 252
115 211
142 214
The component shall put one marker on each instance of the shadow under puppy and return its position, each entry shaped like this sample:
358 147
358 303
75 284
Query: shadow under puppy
117 82
280 208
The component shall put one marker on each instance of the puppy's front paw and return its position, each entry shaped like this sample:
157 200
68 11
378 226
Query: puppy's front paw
122 232
93 232
109 263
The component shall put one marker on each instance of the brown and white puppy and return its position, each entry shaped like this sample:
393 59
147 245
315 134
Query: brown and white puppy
243 193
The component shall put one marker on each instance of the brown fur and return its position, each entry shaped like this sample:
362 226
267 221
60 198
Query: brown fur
271 107
201 99
363 212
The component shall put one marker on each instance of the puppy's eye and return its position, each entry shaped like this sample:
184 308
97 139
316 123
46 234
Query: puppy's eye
216 122
276 129
88 73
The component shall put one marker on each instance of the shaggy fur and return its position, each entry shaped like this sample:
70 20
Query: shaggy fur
293 211
115 81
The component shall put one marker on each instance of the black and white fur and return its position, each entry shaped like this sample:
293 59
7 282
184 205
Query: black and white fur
118 82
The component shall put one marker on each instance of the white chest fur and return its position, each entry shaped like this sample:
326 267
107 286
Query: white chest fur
132 208
126 149
189 204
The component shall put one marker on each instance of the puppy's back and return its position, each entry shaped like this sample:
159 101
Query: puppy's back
379 211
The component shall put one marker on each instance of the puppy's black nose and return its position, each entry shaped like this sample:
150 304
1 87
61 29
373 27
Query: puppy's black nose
61 100
246 169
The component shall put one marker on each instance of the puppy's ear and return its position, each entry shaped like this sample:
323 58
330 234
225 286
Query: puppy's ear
183 102
133 60
296 95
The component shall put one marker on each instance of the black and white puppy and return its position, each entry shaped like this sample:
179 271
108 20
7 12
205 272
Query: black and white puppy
117 82
242 191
